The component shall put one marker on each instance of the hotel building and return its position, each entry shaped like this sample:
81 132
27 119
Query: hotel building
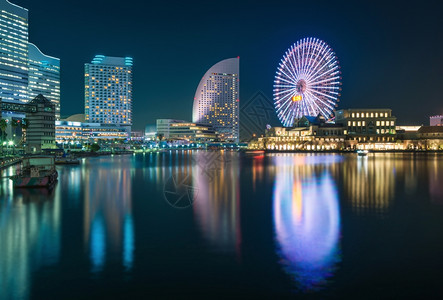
108 91
216 100
44 77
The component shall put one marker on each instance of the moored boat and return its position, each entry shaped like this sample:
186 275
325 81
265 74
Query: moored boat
362 152
35 171
67 161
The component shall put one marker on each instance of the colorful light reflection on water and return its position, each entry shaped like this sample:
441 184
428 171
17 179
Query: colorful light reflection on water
307 222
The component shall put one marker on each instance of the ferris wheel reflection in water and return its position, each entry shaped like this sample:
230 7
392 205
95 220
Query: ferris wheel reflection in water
306 221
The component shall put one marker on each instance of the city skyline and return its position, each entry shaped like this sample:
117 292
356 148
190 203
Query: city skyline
313 173
372 76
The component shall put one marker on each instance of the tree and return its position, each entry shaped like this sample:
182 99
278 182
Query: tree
95 147
3 126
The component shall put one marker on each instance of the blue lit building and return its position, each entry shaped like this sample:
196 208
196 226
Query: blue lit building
25 72
44 77
108 91
14 52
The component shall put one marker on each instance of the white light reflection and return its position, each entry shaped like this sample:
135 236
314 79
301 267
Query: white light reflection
307 222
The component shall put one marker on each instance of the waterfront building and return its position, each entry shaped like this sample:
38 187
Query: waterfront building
367 125
309 133
372 129
431 137
216 100
44 77
72 132
436 120
14 52
41 131
150 132
137 136
163 126
68 132
97 133
108 91
184 130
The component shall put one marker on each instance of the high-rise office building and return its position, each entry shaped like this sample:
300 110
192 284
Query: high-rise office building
108 91
216 100
25 72
14 52
44 77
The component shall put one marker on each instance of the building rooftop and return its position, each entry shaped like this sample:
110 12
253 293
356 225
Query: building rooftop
40 99
76 118
112 61
431 129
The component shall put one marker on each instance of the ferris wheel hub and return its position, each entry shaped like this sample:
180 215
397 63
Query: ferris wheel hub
301 86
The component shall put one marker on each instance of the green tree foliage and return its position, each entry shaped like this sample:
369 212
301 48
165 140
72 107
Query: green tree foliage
95 147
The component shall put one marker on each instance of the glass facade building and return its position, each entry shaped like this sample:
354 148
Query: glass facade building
13 52
25 72
216 100
183 130
44 77
108 91
79 132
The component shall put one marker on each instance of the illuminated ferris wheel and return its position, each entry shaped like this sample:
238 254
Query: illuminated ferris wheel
307 82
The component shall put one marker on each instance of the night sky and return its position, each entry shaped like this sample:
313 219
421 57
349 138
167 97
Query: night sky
391 54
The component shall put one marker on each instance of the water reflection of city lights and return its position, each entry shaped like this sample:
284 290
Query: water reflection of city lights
370 184
30 235
217 209
307 224
435 167
109 229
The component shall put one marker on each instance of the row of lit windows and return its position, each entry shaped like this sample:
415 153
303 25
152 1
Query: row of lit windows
370 115
378 123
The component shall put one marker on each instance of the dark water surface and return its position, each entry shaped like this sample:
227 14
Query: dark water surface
214 225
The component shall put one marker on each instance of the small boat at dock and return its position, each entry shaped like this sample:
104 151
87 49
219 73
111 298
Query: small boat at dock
362 152
67 161
35 171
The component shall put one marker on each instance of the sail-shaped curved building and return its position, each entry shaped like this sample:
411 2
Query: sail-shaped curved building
44 77
216 100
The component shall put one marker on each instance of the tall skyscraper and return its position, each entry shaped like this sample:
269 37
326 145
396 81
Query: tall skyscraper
25 72
44 77
108 91
216 100
14 52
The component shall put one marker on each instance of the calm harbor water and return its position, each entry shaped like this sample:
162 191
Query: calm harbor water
227 225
